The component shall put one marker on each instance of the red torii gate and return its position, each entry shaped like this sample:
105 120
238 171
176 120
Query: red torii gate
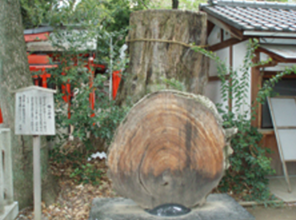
1 117
39 63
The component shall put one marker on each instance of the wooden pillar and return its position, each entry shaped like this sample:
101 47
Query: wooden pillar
255 86
221 35
230 79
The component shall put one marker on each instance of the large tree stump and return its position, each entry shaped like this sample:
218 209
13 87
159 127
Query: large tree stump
169 149
154 56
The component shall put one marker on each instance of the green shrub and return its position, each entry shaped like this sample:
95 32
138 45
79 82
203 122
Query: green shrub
87 173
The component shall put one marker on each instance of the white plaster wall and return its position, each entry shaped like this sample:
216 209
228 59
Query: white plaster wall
214 37
212 88
226 35
263 57
239 52
213 92
224 56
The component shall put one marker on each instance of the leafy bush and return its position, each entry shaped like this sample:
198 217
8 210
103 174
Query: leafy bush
87 26
87 174
249 164
87 29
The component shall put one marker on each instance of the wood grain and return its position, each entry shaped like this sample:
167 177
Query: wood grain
169 149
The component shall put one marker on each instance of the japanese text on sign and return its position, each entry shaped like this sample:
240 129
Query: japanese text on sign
34 113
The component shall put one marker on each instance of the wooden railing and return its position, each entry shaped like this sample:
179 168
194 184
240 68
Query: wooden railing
8 208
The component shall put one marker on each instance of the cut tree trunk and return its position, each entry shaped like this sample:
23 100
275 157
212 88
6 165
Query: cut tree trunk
157 49
14 74
169 149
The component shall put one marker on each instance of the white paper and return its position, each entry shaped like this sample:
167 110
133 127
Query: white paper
34 113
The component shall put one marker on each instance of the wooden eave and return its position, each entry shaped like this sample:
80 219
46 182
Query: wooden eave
276 57
224 44
236 33
210 27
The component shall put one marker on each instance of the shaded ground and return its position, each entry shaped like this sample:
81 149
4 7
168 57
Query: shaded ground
282 213
74 200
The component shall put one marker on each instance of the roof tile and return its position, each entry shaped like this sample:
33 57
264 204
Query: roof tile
259 16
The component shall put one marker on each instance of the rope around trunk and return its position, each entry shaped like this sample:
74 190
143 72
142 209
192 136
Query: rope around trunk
165 41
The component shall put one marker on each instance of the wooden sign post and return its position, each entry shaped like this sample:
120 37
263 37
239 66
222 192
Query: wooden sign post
34 115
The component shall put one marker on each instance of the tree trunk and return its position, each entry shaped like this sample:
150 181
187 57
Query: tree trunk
152 60
175 4
14 74
169 149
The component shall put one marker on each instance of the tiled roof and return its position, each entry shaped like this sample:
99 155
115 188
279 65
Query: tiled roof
254 16
38 30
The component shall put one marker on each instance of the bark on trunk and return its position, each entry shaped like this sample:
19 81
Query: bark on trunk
150 61
14 74
175 4
169 149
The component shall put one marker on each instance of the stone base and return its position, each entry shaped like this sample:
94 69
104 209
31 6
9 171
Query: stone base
10 212
217 207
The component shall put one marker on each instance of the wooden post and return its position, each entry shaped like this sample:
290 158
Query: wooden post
230 94
255 84
37 177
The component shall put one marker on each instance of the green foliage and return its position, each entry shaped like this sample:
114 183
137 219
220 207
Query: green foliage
107 114
172 84
86 26
35 12
80 25
108 14
249 163
87 173
86 128
182 4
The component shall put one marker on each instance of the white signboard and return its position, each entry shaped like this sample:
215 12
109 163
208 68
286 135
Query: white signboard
283 110
34 111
